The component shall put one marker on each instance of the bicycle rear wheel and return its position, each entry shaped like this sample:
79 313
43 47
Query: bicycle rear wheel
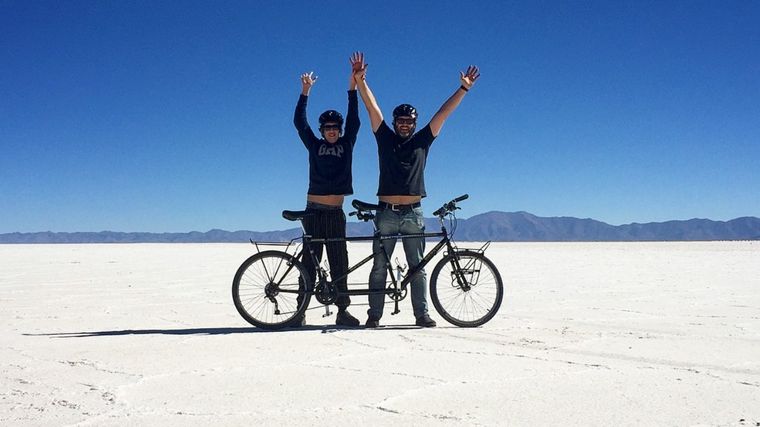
270 290
466 288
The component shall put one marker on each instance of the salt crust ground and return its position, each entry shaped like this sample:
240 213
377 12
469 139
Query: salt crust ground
589 334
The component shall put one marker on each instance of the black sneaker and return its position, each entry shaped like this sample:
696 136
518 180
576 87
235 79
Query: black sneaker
344 318
372 323
425 321
298 322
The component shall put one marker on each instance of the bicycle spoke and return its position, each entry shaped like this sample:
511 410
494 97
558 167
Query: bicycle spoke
467 295
268 295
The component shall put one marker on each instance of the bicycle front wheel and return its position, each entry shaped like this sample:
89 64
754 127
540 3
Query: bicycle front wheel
270 290
466 289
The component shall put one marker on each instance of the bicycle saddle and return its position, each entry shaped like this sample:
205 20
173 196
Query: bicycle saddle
295 215
364 206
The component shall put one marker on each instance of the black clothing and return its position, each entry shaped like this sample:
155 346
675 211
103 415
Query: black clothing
344 318
402 161
397 207
328 223
425 321
329 164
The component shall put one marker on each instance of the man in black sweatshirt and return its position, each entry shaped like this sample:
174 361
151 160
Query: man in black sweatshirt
330 180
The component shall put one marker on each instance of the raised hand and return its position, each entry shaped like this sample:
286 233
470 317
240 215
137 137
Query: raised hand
468 78
307 81
358 66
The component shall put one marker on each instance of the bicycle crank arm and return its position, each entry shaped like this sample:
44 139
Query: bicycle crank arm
395 310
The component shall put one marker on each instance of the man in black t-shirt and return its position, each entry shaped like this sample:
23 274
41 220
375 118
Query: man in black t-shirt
403 153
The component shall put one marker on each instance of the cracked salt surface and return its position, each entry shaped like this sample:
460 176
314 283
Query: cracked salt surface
588 334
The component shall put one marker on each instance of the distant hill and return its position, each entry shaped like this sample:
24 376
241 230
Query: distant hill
522 226
211 236
495 226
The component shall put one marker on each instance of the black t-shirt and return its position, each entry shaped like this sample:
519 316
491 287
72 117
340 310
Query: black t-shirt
329 164
402 161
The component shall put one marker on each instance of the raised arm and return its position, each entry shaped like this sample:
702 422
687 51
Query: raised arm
357 62
299 118
468 80
352 116
307 81
360 77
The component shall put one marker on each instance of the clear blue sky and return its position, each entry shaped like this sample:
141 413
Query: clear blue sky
177 115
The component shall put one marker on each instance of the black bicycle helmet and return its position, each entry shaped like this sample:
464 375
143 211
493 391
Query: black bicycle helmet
330 116
405 110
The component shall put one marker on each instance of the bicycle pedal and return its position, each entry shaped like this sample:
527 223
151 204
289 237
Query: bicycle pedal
327 311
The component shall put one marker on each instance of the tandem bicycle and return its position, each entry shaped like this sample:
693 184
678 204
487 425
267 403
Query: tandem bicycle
272 289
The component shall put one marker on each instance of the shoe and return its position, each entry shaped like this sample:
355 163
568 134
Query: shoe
372 323
344 318
298 322
425 321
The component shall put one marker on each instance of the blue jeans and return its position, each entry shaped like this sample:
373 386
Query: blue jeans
390 222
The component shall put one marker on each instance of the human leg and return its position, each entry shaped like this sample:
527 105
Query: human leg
386 222
337 255
312 228
412 222
312 225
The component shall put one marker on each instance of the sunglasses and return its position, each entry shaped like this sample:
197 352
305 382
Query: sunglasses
405 121
330 127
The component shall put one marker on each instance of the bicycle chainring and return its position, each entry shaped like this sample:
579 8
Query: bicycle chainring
398 296
326 293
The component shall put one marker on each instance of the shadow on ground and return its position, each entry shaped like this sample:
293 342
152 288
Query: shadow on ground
325 329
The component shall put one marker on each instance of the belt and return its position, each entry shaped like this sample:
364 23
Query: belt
394 207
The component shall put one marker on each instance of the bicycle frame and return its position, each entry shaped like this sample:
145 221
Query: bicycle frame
397 286
267 274
397 289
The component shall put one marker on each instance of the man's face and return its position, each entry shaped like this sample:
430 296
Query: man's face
331 132
404 126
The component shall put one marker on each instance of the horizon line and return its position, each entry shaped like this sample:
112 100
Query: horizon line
432 218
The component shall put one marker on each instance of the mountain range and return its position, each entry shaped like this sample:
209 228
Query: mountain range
494 226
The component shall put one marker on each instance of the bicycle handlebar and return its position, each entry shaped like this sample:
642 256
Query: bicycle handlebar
450 206
363 216
362 207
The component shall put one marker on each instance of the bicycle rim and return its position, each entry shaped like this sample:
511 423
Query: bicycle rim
269 290
469 293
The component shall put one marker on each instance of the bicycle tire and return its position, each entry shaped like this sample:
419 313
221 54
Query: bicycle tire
472 307
283 277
